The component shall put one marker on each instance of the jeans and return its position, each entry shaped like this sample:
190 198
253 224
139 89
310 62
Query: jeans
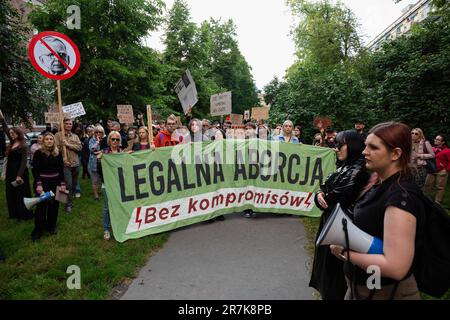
71 177
106 219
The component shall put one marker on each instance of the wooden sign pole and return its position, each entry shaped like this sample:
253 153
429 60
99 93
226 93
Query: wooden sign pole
61 119
150 121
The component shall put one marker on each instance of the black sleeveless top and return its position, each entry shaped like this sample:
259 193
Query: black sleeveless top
369 214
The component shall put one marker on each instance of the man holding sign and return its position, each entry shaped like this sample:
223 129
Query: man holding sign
71 163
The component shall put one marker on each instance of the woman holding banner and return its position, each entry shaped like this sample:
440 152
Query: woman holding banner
114 142
344 187
143 140
94 149
195 131
392 211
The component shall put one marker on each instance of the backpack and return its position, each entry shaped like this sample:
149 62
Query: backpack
432 260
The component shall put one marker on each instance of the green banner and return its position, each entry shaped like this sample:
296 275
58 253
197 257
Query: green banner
159 190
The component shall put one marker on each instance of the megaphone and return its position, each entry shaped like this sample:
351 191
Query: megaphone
31 202
360 241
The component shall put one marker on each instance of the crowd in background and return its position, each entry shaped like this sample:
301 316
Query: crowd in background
365 162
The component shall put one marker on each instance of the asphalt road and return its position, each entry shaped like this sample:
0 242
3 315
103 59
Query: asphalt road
262 258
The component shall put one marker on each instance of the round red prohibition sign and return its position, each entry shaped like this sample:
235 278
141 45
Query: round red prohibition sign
54 55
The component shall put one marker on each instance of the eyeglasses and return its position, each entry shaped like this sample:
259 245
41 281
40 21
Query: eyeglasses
115 139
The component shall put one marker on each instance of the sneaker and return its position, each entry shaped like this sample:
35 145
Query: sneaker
253 214
69 210
106 235
77 195
247 215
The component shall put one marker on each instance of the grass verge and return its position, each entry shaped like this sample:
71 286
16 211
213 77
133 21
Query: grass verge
38 270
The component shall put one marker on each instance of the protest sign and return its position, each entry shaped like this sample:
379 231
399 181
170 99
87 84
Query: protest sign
236 119
54 117
75 110
221 104
322 123
158 190
186 91
125 114
260 113
54 55
247 115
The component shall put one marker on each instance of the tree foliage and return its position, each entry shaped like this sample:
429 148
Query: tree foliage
115 67
326 34
407 80
24 92
211 52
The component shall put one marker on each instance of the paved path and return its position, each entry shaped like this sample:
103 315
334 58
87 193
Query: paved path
236 259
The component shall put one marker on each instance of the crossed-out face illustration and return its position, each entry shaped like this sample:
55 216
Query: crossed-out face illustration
49 61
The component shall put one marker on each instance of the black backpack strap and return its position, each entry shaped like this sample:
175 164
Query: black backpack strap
347 244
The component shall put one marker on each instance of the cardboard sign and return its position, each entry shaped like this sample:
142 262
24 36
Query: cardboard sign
75 109
322 123
221 104
260 113
54 55
236 119
186 91
53 117
53 108
125 114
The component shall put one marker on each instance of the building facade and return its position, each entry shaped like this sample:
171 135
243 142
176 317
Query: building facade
412 14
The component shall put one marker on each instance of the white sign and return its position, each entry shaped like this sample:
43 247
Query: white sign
75 110
186 91
221 104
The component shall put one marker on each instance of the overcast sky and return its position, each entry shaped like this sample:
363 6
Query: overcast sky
263 28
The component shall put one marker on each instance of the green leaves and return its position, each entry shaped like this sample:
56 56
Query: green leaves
210 51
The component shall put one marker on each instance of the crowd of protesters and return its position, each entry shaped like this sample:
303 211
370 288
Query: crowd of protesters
368 164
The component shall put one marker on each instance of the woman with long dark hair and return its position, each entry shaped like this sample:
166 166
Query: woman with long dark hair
48 168
17 180
392 211
344 187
